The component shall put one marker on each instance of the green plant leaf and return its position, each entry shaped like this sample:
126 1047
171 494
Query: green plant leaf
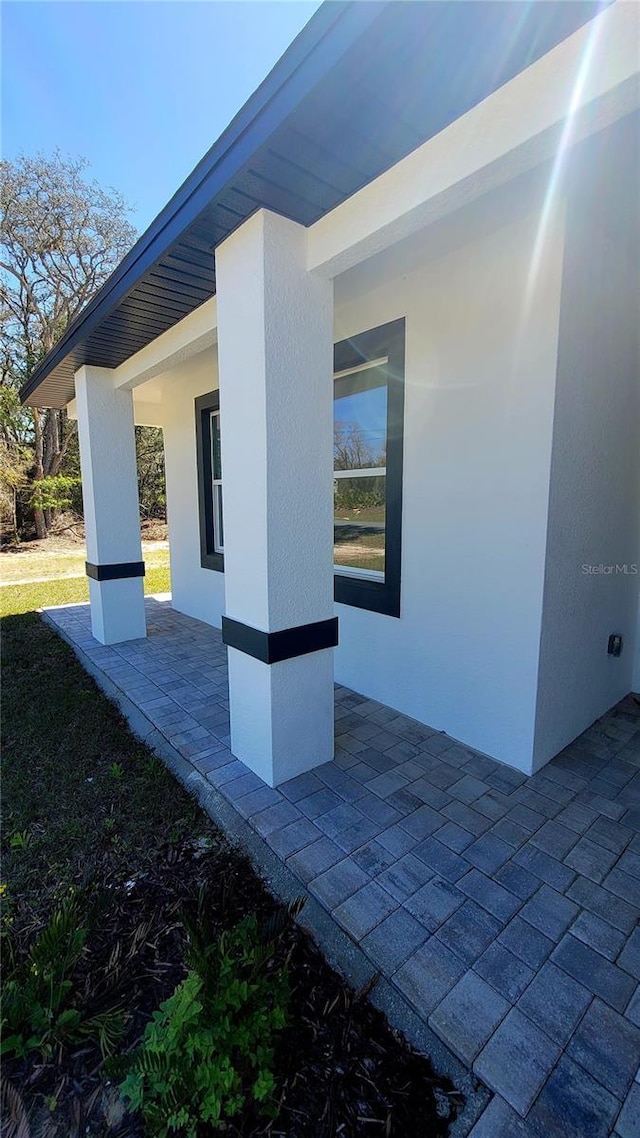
200 1050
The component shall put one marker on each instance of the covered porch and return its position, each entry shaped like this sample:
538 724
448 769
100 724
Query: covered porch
504 908
494 502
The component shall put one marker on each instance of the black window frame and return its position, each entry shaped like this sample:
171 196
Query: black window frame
375 343
205 404
386 340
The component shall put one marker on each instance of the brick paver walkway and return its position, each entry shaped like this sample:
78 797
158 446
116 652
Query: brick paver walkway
505 908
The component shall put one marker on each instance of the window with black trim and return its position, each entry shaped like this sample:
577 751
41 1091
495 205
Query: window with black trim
210 481
368 442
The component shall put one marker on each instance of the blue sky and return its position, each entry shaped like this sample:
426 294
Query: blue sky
367 411
141 88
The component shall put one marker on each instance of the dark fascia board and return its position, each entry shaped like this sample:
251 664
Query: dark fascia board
329 33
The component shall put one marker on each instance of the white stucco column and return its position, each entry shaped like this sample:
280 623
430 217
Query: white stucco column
276 413
111 509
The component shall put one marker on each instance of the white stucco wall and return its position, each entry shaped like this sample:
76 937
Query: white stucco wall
479 390
594 509
490 520
635 675
195 591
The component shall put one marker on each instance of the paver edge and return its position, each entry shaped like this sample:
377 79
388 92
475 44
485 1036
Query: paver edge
338 948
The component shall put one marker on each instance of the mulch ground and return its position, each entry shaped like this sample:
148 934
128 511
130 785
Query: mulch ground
341 1070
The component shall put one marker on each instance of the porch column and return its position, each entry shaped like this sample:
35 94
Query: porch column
111 510
275 356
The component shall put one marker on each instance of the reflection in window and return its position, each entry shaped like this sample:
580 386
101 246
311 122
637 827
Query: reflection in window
360 445
216 483
209 466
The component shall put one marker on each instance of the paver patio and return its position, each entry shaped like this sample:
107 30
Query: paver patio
505 908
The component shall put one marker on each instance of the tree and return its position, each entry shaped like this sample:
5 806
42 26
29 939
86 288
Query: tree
14 463
60 238
351 449
151 478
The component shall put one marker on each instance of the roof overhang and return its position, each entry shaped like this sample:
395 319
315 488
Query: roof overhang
363 86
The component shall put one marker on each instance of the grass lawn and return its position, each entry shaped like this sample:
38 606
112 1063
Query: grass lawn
66 590
80 791
22 598
87 807
34 563
358 550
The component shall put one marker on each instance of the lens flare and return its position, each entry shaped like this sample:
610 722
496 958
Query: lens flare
557 169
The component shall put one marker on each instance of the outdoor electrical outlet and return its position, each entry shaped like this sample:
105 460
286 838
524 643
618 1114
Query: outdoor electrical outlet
615 644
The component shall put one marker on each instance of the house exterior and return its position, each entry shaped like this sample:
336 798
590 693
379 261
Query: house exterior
389 327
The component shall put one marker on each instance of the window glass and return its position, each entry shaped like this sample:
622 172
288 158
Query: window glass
360 444
359 523
216 482
209 467
215 446
367 468
368 445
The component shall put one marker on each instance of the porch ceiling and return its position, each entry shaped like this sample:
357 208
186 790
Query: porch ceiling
362 86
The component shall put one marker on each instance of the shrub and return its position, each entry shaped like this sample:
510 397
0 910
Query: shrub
55 492
210 1047
39 1010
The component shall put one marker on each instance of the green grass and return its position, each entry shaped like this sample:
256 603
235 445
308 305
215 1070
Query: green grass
38 563
82 798
371 515
351 560
359 550
27 566
15 599
86 805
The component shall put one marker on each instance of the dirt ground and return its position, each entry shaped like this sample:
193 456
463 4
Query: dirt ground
63 554
87 807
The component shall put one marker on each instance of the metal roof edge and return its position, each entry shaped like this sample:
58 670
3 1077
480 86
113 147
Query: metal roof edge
350 18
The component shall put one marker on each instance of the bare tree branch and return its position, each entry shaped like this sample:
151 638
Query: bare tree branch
61 236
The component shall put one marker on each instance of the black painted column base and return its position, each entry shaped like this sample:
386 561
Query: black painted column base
116 572
272 647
